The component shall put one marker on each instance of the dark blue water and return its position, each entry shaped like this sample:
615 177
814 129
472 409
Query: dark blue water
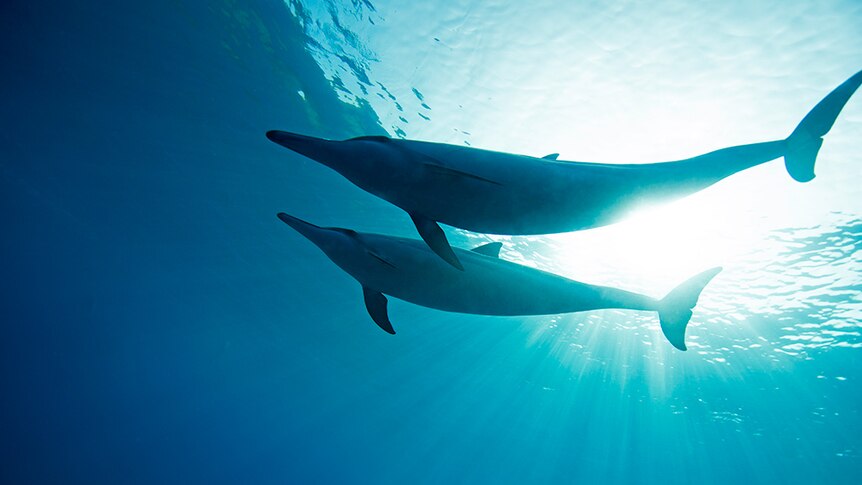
161 326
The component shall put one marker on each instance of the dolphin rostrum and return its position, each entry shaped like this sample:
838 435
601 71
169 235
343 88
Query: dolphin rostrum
503 193
407 269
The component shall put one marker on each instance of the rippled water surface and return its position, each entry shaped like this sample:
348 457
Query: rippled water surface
161 325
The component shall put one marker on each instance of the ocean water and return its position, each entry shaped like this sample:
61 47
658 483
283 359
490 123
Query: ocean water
160 325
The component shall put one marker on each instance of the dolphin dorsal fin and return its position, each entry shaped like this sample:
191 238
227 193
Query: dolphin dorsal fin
490 249
552 156
376 303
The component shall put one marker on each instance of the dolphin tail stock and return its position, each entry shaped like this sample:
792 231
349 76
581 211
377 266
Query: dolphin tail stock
674 310
806 140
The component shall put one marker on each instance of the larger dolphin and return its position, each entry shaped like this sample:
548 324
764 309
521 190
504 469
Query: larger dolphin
503 193
408 270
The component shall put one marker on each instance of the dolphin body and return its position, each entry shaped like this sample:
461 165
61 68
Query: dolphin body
407 269
502 193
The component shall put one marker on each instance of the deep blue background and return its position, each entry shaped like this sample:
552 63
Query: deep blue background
141 284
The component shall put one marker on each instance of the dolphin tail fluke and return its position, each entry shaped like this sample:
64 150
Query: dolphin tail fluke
674 310
805 141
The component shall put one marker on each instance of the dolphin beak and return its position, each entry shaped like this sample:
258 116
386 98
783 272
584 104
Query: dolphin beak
314 148
307 229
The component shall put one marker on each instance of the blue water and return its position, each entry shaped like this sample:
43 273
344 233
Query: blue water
160 325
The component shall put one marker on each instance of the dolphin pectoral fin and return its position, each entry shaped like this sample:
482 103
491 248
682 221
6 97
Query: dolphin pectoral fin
380 258
435 238
490 249
552 156
805 141
376 303
377 138
434 166
438 169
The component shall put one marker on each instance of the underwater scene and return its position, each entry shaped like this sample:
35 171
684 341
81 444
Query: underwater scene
616 242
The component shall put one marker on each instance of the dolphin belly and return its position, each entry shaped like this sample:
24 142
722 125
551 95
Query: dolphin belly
487 286
485 297
539 198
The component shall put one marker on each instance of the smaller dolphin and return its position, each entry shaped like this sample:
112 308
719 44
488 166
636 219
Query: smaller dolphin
408 270
504 193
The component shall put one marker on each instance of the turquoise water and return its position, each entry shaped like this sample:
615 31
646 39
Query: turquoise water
161 325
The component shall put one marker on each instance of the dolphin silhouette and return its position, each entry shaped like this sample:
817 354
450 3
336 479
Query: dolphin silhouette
502 193
407 269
